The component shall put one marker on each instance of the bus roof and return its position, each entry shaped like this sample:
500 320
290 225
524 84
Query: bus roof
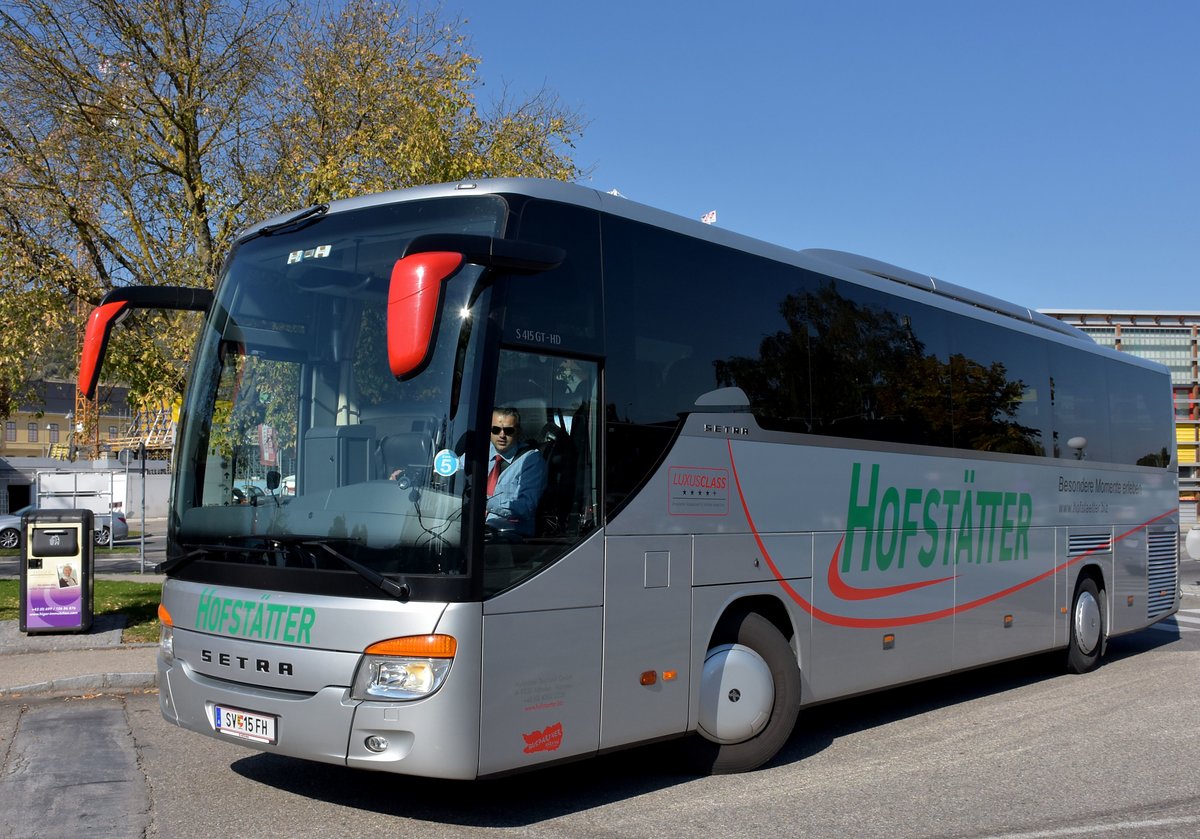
845 265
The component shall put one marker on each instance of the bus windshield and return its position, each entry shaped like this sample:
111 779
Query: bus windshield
299 448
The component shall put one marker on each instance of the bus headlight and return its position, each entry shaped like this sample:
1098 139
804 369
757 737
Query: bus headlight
399 678
404 668
166 642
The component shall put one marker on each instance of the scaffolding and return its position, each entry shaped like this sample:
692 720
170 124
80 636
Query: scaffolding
152 430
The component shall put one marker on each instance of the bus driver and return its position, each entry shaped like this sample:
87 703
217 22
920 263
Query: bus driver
516 476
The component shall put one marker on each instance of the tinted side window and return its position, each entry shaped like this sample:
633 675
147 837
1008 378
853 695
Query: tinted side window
558 311
1079 394
879 366
685 317
1000 387
1141 415
1121 413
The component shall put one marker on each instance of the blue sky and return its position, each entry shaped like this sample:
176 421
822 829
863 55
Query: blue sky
1044 152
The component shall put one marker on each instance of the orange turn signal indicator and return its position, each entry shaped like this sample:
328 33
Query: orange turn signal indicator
416 646
164 616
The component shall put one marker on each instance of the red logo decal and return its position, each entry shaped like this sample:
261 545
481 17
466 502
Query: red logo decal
546 740
845 591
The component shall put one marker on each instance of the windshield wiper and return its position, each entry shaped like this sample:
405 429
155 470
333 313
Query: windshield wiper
313 212
400 591
169 565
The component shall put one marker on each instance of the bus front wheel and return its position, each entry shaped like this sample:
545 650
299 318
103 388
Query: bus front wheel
749 698
1087 627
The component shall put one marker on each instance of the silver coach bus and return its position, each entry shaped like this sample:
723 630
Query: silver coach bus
767 478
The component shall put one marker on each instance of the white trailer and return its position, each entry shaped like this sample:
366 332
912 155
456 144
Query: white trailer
101 491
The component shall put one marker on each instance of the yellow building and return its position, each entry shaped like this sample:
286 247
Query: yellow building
48 425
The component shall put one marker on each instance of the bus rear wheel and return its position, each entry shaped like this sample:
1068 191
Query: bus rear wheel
749 698
1087 627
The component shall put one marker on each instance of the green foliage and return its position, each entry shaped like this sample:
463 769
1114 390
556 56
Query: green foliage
138 136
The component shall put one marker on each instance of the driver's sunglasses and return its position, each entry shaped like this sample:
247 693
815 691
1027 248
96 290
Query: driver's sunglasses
503 429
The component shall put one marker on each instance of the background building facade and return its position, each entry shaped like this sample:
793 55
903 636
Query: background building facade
45 434
1170 338
37 429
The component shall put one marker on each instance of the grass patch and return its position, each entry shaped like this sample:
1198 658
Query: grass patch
138 602
98 552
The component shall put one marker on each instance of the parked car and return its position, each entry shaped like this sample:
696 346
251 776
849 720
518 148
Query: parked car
248 493
108 527
105 528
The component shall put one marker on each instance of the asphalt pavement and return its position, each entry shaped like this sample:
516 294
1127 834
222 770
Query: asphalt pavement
96 661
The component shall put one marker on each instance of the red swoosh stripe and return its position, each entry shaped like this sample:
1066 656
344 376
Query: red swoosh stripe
844 591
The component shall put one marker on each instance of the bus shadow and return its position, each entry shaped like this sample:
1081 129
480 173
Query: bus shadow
821 725
539 795
1161 635
511 801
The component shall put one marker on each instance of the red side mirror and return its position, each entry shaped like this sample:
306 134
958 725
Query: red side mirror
95 339
118 303
413 302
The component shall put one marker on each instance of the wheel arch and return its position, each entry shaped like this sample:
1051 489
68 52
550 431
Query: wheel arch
766 605
1094 572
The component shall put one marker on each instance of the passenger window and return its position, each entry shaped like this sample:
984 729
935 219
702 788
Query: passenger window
1079 394
1000 386
878 366
1137 417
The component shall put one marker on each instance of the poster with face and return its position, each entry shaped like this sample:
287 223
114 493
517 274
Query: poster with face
54 595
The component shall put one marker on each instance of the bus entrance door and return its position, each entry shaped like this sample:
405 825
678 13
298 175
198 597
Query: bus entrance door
647 620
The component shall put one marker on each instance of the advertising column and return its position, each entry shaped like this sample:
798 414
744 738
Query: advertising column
56 571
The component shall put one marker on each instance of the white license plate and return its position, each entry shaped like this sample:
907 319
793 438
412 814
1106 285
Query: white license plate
249 725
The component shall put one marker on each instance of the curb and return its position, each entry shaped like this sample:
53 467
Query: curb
85 684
